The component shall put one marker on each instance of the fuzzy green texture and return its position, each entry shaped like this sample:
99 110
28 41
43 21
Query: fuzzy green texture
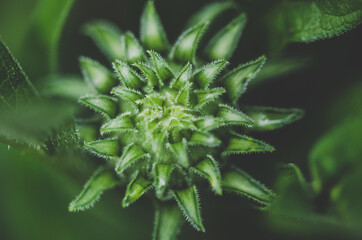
173 118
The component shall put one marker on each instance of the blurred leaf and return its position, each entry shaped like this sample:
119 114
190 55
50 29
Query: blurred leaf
65 86
240 182
33 123
153 35
107 37
168 221
276 68
337 153
208 13
15 87
102 180
42 39
306 21
223 44
269 118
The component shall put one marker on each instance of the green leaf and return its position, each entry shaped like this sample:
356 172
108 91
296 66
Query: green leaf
185 47
204 138
127 94
104 148
107 37
207 96
240 182
208 13
153 35
130 155
209 169
162 173
122 123
97 75
338 7
188 201
183 77
306 21
237 80
34 125
135 189
268 118
102 180
129 77
162 69
133 49
168 221
65 86
234 117
336 153
15 87
148 73
208 73
223 44
101 103
179 149
244 144
208 123
42 39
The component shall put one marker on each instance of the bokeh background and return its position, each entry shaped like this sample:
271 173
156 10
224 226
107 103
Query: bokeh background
323 78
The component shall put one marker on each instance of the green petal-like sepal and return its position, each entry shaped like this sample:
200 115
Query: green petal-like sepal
234 117
269 118
96 75
127 94
209 123
130 155
121 123
179 149
153 35
102 179
204 139
244 144
184 95
148 73
162 68
209 169
208 13
237 80
153 100
162 173
185 47
101 103
183 77
127 75
223 44
240 182
107 37
168 221
105 148
135 189
207 96
133 49
189 203
208 73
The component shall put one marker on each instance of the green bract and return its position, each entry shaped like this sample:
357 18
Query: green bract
172 119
